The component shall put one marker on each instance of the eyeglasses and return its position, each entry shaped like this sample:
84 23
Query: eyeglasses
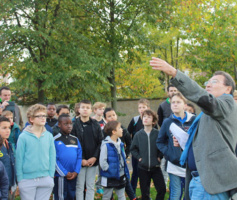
40 116
212 82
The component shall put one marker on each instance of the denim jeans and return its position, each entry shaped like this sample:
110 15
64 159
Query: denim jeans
197 191
176 187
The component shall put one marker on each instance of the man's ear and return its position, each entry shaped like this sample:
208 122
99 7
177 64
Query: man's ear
228 89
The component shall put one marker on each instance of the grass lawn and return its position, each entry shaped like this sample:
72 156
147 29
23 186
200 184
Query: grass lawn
138 193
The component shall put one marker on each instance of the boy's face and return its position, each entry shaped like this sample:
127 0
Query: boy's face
177 104
147 120
51 111
65 125
85 110
10 117
99 111
189 109
64 111
119 131
39 119
141 108
5 130
111 116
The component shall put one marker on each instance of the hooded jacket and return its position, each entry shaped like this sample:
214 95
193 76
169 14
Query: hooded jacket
164 141
35 157
4 184
7 158
144 147
112 159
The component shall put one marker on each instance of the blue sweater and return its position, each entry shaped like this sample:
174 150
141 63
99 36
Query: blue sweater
164 141
35 157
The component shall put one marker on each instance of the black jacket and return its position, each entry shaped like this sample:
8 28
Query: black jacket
144 147
97 133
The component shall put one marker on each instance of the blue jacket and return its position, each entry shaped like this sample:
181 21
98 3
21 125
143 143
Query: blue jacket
164 141
8 160
113 161
4 184
68 154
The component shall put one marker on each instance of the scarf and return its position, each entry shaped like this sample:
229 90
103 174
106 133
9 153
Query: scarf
191 131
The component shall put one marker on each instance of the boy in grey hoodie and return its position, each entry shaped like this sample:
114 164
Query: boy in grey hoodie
144 149
113 162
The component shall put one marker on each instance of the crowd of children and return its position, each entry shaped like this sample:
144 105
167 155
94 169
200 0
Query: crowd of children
59 155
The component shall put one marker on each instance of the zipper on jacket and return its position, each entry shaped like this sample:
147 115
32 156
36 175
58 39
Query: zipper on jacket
149 152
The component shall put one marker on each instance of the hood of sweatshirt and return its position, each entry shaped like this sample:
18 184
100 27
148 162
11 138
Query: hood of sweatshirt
29 129
116 144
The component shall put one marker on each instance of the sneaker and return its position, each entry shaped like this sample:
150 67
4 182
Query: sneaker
100 191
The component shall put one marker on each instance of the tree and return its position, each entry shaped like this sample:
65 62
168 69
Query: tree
43 49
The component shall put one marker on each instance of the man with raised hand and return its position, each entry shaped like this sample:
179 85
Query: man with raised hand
210 149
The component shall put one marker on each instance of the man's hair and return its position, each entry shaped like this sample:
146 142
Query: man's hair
60 107
51 104
151 113
144 101
108 110
169 86
77 106
192 106
85 101
4 88
110 127
98 105
6 113
229 81
35 109
180 96
60 118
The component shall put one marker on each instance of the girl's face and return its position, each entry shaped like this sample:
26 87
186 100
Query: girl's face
177 104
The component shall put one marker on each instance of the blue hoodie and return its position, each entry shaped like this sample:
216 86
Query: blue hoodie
164 141
35 157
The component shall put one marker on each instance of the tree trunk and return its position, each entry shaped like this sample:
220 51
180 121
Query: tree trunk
41 93
166 76
112 70
177 53
113 89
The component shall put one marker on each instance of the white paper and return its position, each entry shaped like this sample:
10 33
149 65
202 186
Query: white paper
179 134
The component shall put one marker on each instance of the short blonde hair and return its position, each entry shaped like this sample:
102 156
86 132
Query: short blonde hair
235 93
6 113
144 101
35 109
98 105
180 96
